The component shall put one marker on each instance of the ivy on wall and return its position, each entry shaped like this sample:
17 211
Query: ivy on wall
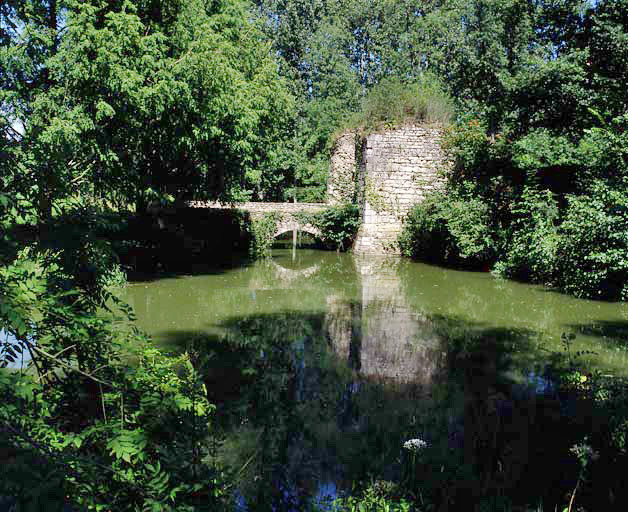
374 196
262 233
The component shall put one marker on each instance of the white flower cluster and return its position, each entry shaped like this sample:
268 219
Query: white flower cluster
414 445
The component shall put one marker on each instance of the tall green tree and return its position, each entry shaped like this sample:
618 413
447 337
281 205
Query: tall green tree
30 33
134 100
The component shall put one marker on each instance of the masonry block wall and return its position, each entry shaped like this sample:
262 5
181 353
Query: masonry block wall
397 169
341 184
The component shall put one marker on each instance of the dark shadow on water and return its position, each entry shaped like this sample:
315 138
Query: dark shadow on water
183 241
615 332
307 402
184 267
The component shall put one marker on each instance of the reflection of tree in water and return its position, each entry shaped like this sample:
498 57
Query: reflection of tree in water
305 398
289 419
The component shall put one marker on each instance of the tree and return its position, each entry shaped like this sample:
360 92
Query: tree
139 100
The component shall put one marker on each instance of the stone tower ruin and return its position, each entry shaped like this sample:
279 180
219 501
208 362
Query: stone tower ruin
386 173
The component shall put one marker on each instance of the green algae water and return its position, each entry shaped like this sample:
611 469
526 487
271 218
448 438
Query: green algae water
323 364
317 282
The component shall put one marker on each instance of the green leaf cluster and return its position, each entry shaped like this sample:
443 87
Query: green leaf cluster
262 234
453 229
338 225
130 101
592 249
87 406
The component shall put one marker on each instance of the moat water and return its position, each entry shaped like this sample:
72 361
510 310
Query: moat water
323 364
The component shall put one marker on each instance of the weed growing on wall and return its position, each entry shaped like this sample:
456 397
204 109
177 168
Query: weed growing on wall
338 226
262 234
393 103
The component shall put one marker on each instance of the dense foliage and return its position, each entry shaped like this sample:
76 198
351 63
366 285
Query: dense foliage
450 230
80 427
544 159
114 106
338 226
131 102
109 105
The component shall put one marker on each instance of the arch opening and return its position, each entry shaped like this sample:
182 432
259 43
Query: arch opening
312 232
291 226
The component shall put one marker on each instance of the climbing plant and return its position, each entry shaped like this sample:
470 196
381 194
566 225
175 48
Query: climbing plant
262 233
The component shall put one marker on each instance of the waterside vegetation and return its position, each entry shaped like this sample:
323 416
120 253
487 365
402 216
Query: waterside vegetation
107 107
537 189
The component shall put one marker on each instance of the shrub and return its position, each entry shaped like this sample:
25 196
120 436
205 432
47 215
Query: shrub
339 225
604 152
531 253
593 245
142 449
262 233
425 235
107 435
451 229
477 158
468 147
375 498
394 102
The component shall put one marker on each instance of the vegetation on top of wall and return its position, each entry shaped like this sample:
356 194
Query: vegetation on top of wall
393 103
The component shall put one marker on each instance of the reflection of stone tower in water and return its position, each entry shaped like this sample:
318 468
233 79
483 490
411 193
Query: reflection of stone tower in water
380 335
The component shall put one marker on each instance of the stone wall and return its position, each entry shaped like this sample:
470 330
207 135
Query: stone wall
341 183
260 209
385 173
399 167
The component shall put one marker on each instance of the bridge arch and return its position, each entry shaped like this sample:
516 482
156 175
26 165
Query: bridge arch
287 225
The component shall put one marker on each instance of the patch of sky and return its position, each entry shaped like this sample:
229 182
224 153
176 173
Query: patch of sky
12 352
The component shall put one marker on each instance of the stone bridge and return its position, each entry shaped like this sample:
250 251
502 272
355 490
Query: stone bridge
385 173
290 219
